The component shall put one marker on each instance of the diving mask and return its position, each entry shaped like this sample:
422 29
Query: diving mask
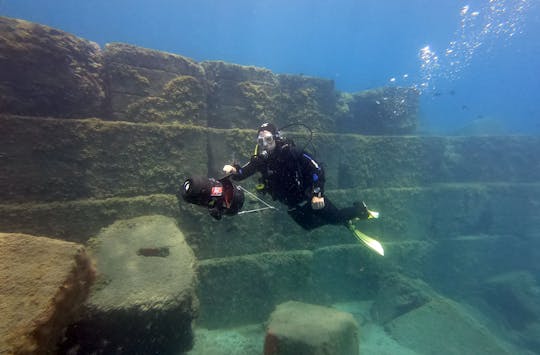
266 142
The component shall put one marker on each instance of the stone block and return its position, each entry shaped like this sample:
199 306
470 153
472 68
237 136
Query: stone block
240 96
514 295
470 260
181 100
446 328
144 300
58 160
151 59
43 284
297 328
78 220
47 72
245 289
307 100
383 111
397 295
152 86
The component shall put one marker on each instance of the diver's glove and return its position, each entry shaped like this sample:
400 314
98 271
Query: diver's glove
317 203
229 170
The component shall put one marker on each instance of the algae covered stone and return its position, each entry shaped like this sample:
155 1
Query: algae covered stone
43 284
48 72
301 329
144 300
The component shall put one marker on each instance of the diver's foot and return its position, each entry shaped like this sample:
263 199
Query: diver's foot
362 211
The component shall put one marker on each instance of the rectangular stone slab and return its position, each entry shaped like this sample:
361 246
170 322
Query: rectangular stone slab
301 329
43 283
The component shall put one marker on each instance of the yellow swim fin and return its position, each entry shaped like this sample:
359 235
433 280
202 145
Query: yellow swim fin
368 241
373 214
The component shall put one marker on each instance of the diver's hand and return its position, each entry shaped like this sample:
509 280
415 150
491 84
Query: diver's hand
317 202
229 169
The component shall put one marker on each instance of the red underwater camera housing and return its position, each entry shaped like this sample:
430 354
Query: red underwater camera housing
219 196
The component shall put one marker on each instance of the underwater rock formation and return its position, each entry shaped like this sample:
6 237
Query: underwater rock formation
94 158
397 295
143 302
151 86
454 210
43 284
383 111
52 73
243 97
408 306
239 96
47 72
514 296
244 289
301 328
445 328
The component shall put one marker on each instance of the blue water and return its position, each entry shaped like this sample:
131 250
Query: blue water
359 44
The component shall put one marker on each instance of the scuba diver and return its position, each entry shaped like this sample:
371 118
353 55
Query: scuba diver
293 177
290 175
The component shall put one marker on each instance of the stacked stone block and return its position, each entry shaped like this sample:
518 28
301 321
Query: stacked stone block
141 121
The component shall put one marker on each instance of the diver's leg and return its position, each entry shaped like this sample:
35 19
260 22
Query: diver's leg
304 217
357 211
308 218
333 215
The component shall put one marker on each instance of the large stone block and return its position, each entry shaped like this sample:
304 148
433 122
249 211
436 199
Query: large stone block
397 295
297 328
54 159
306 100
515 297
370 161
43 284
79 220
446 328
47 72
373 161
146 85
240 96
144 300
245 97
383 111
242 290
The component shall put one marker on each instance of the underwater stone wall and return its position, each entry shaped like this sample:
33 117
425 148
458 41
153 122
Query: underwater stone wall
60 75
47 72
420 183
160 117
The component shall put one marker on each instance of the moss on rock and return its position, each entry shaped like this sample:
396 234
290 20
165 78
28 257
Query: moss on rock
182 100
47 72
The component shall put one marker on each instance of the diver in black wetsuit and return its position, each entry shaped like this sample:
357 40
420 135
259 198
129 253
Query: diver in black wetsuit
294 178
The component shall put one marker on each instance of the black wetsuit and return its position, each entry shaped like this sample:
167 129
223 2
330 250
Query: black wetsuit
292 177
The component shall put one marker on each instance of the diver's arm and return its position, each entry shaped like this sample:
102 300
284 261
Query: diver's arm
315 175
314 180
238 172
